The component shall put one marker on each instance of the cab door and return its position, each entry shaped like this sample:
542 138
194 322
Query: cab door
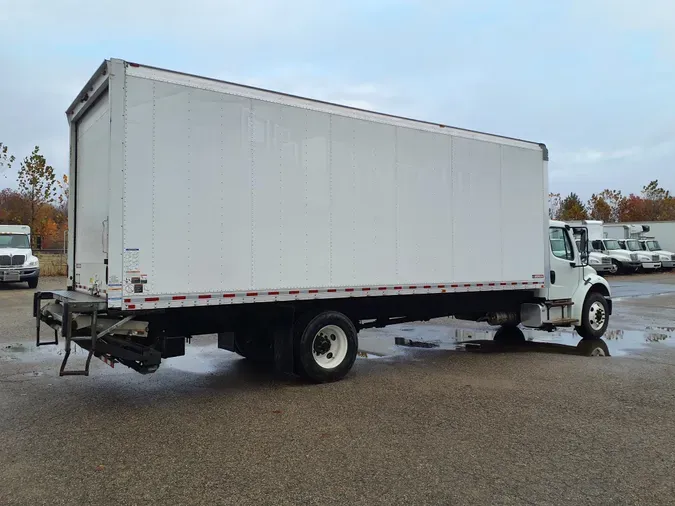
565 276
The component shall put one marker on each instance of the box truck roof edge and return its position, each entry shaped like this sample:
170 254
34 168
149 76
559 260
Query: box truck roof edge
90 91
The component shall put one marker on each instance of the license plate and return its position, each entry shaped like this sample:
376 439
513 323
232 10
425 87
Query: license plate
10 276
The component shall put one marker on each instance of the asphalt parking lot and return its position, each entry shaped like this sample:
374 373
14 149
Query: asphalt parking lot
422 419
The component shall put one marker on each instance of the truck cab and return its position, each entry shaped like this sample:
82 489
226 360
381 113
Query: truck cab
576 295
666 258
647 261
17 262
624 260
599 261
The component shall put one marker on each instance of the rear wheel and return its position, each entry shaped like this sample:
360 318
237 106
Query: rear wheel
33 283
594 317
325 347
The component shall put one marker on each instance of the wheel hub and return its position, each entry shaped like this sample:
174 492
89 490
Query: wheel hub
329 347
321 344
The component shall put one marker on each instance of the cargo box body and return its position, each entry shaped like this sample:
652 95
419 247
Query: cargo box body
190 191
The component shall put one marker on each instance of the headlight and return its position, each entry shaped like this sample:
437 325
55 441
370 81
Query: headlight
33 263
593 261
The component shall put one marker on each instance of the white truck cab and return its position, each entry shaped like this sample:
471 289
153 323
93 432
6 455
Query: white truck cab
666 258
17 262
600 262
648 261
576 295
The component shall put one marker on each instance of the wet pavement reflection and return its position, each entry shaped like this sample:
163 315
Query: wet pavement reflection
397 340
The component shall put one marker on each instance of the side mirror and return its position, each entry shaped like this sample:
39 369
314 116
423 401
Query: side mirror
583 246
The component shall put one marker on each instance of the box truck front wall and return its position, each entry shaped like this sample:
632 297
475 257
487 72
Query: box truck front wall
91 196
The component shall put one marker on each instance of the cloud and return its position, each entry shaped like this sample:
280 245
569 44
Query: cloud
591 78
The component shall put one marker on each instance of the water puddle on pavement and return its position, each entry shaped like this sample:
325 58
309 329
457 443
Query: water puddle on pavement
398 340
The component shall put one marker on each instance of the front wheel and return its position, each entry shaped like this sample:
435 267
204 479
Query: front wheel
33 283
326 347
594 317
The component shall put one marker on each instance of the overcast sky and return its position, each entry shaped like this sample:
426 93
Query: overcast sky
593 79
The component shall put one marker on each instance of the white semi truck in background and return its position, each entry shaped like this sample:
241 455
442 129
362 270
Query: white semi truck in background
285 225
638 237
17 262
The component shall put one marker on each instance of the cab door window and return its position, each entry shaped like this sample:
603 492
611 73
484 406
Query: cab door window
561 246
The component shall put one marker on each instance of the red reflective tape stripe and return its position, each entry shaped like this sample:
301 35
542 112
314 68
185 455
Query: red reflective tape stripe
251 294
398 288
332 290
514 283
426 286
294 292
412 287
502 284
349 289
127 300
365 289
467 284
441 286
228 295
152 299
492 284
203 296
525 283
454 286
479 284
272 293
314 291
131 306
382 288
178 297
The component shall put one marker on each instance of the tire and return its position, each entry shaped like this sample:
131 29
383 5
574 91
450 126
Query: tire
509 335
618 267
593 348
594 317
325 347
33 283
615 268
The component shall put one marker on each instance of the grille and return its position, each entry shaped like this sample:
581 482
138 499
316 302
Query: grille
606 260
672 257
633 257
5 260
18 259
655 258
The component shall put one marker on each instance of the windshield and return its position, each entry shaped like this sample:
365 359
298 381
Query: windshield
612 245
14 241
653 245
633 245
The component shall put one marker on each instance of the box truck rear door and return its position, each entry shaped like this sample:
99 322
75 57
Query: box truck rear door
91 195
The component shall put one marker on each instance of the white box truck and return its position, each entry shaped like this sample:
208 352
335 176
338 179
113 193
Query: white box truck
639 237
17 262
285 225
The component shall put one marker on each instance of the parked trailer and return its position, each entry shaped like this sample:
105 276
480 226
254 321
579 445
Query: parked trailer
285 225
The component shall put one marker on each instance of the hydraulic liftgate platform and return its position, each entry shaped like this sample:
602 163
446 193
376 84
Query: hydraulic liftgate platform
79 317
